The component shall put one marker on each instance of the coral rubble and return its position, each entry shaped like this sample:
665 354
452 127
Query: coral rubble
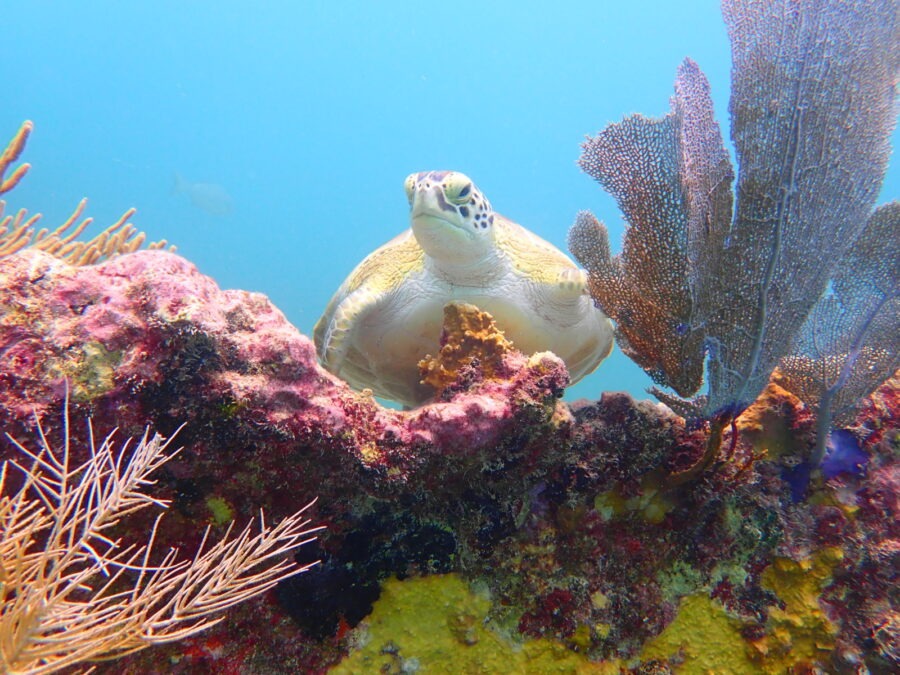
556 530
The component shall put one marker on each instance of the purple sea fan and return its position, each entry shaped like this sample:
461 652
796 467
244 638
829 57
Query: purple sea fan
850 343
812 110
672 178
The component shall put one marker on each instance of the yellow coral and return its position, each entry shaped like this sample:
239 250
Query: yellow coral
766 426
468 333
799 632
703 638
437 624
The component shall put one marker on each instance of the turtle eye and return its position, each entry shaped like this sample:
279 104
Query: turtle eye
458 189
410 185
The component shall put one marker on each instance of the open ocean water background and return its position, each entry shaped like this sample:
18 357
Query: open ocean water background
308 115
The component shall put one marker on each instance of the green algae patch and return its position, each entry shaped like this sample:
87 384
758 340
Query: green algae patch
88 368
701 639
678 580
221 511
435 624
651 504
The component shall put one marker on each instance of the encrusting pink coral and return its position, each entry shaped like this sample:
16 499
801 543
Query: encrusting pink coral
126 318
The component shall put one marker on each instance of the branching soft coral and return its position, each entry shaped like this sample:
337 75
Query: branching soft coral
17 231
70 592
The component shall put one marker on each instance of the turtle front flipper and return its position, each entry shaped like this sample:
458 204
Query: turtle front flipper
546 268
571 282
336 335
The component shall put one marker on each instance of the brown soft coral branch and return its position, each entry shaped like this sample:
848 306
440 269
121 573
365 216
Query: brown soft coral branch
672 178
17 231
11 154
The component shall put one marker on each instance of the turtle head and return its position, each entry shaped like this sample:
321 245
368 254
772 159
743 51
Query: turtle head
451 220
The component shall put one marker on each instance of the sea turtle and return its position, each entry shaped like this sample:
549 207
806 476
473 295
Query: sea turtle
387 314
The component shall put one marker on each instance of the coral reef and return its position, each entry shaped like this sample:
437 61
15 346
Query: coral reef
559 527
497 527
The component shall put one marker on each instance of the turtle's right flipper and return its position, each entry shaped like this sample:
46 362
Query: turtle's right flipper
346 317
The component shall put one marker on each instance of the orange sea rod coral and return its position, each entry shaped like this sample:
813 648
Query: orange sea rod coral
17 231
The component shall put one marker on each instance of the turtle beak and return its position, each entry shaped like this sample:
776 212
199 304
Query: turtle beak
431 205
438 224
437 230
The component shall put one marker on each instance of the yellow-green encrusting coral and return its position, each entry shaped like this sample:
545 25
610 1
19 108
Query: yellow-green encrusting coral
88 368
221 510
704 638
436 624
799 631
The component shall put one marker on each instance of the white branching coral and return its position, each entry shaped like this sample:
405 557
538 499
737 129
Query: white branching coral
70 591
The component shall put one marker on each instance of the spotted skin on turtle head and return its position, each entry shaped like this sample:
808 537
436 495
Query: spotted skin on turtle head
455 195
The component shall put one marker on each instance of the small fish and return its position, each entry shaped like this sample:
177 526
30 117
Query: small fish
209 197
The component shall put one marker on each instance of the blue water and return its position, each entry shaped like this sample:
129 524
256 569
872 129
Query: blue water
311 114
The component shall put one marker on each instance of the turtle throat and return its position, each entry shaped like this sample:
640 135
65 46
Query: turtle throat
447 242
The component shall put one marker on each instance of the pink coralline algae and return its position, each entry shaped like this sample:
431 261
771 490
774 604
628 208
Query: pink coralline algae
568 515
150 324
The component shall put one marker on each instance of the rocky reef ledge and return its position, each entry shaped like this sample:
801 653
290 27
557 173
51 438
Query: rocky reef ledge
497 529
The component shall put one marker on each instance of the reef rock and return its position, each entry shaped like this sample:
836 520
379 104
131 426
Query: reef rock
554 532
